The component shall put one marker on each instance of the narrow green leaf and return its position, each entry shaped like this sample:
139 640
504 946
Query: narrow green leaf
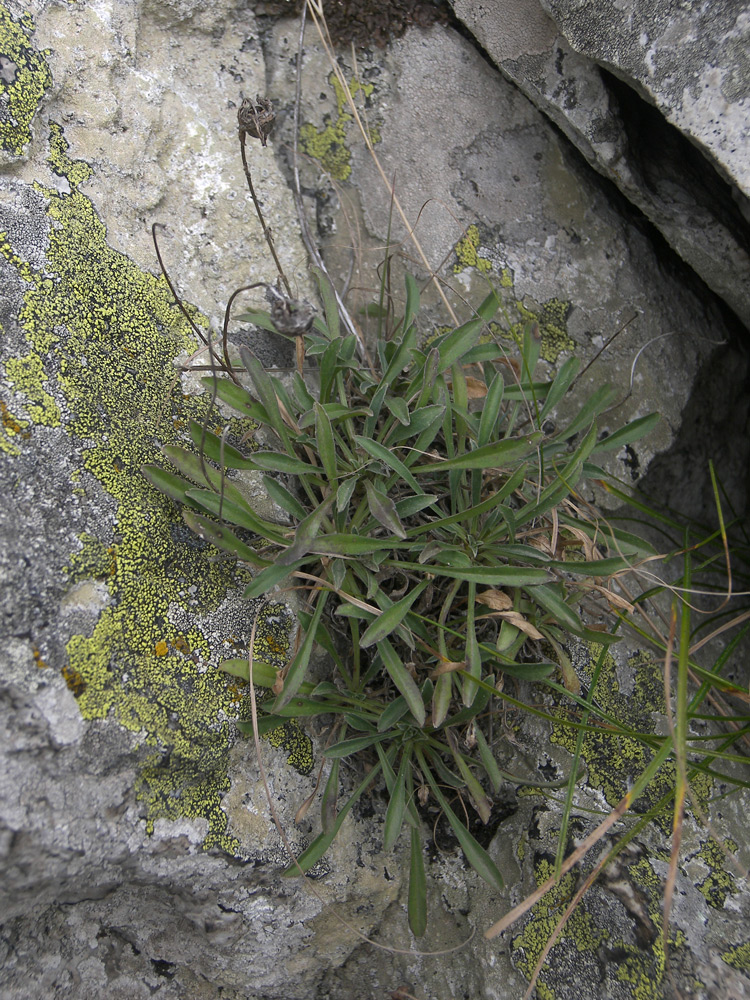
305 535
441 699
453 346
383 509
263 384
491 576
596 567
223 454
174 486
603 397
417 906
560 386
549 599
326 445
488 761
397 406
320 845
477 857
402 679
268 578
385 455
393 713
489 456
296 672
491 410
329 800
330 306
341 544
234 395
278 461
283 498
394 814
264 675
236 513
347 747
391 618
633 431
412 300
222 538
344 494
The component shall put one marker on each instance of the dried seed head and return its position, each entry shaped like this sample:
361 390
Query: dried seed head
256 118
292 317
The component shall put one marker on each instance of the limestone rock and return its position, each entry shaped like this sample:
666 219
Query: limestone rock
655 97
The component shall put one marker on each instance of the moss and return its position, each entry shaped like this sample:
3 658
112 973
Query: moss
102 338
24 78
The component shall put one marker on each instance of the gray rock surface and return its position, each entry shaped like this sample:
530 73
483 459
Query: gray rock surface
654 95
138 857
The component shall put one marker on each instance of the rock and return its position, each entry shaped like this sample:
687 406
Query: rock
138 856
506 199
655 98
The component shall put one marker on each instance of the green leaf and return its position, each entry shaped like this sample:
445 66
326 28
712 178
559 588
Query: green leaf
263 384
491 410
341 544
417 906
488 761
320 845
633 431
268 578
402 679
236 513
174 486
344 493
283 498
233 395
453 346
394 814
393 713
412 300
221 537
385 455
397 406
603 397
221 453
489 456
347 747
383 509
477 857
330 306
560 386
326 446
492 576
277 461
596 567
305 535
296 672
391 618
551 601
264 675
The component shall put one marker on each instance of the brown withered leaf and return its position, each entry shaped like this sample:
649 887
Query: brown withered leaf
498 600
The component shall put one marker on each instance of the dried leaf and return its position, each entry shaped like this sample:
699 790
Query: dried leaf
498 600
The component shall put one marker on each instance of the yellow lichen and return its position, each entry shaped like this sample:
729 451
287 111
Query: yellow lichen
102 337
24 77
